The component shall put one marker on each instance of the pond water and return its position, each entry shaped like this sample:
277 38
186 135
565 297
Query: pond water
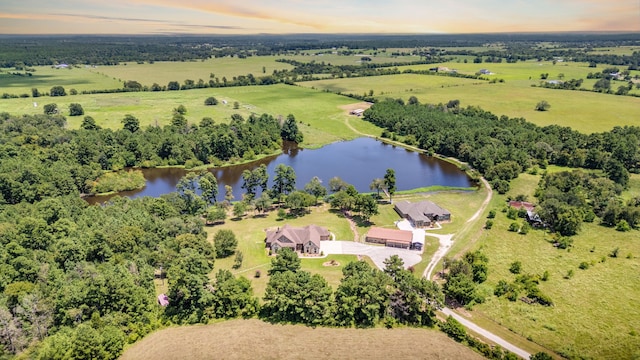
357 162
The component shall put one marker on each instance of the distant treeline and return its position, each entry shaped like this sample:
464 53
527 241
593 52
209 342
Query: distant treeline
110 50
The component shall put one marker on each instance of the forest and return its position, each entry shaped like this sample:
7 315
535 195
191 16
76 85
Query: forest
501 148
38 153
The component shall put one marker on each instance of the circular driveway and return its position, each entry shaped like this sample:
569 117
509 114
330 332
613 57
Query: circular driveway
377 253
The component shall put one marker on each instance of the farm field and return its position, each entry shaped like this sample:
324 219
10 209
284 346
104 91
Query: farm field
320 110
582 110
594 313
45 77
244 339
162 72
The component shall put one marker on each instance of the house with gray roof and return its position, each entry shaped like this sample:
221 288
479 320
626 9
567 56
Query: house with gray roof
305 240
422 214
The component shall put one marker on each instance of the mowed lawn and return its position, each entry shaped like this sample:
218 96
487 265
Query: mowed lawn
254 339
321 114
595 312
582 110
251 232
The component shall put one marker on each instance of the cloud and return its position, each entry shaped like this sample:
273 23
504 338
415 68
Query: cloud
154 21
252 10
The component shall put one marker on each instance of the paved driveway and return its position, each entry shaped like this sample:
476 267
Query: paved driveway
377 253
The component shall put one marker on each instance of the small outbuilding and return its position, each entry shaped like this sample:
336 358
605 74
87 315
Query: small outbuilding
390 237
422 214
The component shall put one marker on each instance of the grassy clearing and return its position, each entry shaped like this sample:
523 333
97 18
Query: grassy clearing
254 339
320 112
45 77
582 110
250 232
594 313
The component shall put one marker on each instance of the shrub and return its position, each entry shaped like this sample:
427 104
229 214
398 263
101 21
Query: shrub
623 226
454 329
492 214
614 252
257 274
524 230
514 227
543 106
488 224
545 275
211 101
515 267
50 109
569 274
583 265
75 109
512 213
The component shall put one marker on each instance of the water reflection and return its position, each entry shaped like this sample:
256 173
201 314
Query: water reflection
357 162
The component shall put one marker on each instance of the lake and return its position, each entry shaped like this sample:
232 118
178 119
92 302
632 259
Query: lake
357 162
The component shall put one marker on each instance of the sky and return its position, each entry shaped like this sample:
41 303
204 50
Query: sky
315 16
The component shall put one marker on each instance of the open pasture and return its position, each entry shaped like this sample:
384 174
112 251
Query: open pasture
162 72
582 110
45 77
594 313
254 339
323 121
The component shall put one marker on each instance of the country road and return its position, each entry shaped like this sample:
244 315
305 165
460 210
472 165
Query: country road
446 241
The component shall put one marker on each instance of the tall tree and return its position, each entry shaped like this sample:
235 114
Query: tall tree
284 180
315 188
225 243
131 123
290 131
285 260
390 182
377 184
209 187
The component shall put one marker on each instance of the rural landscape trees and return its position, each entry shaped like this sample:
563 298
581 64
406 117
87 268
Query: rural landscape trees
81 281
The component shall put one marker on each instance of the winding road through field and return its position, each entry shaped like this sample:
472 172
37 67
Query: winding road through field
446 241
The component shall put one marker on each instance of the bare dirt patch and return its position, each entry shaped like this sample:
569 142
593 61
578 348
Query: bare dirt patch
360 105
331 263
254 339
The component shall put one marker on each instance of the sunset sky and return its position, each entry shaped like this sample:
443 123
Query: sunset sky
317 16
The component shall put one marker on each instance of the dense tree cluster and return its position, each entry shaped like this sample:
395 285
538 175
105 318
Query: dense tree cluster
82 274
567 199
503 147
464 275
40 158
364 298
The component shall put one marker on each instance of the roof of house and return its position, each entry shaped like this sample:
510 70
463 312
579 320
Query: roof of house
522 204
163 300
419 211
311 233
404 236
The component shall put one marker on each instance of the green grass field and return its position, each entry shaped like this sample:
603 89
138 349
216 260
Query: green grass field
322 114
254 339
582 110
594 313
45 77
164 72
250 232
